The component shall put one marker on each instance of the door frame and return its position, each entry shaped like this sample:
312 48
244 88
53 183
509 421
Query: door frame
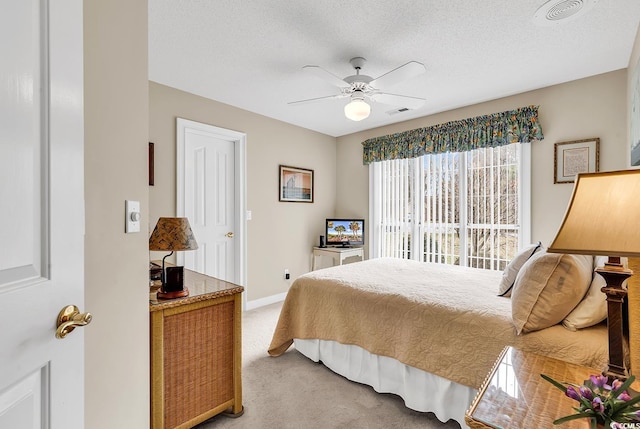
239 141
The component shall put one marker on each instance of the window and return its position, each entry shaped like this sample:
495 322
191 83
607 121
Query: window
465 208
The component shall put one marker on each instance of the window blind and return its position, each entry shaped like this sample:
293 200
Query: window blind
464 208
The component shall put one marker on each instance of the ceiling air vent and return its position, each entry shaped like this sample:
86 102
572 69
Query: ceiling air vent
396 111
559 11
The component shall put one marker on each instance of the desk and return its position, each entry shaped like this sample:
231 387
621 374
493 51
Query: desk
338 254
196 353
514 396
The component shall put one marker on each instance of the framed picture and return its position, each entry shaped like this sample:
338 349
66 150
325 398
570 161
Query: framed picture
578 156
296 184
152 166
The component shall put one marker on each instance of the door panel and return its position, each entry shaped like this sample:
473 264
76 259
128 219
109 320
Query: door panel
20 117
42 212
209 203
22 405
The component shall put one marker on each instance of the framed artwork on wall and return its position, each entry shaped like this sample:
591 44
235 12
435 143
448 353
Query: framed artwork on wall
152 166
578 156
296 184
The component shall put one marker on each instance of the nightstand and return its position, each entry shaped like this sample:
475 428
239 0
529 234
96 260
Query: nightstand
196 353
338 254
514 396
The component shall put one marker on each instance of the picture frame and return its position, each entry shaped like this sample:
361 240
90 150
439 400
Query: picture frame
574 157
295 184
151 164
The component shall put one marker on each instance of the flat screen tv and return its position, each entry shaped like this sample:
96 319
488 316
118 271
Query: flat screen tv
344 232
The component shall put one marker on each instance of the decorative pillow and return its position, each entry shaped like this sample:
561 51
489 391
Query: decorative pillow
591 310
511 271
547 288
593 307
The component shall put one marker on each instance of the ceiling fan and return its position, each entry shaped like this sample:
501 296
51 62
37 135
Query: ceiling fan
360 87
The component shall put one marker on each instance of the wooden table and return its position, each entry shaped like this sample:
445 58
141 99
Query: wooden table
514 396
196 351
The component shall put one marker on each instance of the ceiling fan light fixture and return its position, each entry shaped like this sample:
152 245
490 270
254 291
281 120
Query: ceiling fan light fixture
357 109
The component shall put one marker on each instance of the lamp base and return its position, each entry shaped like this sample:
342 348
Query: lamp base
172 295
614 275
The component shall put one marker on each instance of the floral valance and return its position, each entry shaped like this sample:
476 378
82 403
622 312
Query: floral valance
498 129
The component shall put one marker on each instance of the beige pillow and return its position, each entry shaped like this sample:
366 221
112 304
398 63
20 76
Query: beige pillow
547 288
593 307
512 268
591 310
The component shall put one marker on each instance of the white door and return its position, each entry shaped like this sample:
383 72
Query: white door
41 212
210 195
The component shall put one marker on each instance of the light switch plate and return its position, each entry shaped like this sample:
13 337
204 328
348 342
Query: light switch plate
132 216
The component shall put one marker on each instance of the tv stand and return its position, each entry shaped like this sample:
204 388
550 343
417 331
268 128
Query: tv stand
338 254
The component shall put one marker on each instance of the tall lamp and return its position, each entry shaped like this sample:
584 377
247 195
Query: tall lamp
602 219
172 234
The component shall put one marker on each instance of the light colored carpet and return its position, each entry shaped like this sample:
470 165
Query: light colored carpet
291 391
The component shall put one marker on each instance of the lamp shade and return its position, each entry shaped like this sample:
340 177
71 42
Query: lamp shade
172 234
602 217
357 110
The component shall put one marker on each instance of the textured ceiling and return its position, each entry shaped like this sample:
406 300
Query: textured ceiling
250 53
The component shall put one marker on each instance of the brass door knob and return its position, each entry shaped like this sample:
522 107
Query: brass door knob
229 234
70 318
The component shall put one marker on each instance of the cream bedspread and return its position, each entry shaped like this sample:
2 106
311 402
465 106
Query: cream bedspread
443 319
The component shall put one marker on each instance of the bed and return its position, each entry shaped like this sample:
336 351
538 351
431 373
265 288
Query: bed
408 327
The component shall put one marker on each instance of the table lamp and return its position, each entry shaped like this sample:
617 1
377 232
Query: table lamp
602 219
172 234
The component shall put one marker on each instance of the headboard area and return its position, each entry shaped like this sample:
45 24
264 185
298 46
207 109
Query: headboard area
633 298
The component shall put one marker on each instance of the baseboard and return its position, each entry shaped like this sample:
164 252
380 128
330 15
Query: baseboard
257 303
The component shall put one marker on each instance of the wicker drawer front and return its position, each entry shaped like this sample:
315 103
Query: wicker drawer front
198 362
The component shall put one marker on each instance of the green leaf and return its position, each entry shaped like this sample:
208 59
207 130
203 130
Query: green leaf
624 386
633 401
573 417
555 383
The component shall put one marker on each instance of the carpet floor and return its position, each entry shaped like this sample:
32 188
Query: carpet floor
291 391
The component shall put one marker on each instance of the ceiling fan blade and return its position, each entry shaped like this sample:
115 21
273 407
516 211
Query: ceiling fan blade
312 100
402 73
399 100
326 76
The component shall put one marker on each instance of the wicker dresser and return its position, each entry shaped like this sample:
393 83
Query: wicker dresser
196 353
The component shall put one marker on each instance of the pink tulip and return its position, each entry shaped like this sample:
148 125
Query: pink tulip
597 405
573 393
624 396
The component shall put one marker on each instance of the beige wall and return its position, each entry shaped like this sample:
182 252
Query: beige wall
116 271
280 235
592 107
634 62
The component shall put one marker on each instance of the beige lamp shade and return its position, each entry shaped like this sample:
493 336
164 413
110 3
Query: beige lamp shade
602 217
172 234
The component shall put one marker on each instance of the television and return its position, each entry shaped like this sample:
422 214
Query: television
344 232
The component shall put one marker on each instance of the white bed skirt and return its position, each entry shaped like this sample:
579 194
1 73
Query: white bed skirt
420 390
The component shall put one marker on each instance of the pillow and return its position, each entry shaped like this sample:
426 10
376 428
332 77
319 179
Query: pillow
511 271
591 310
593 307
547 288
